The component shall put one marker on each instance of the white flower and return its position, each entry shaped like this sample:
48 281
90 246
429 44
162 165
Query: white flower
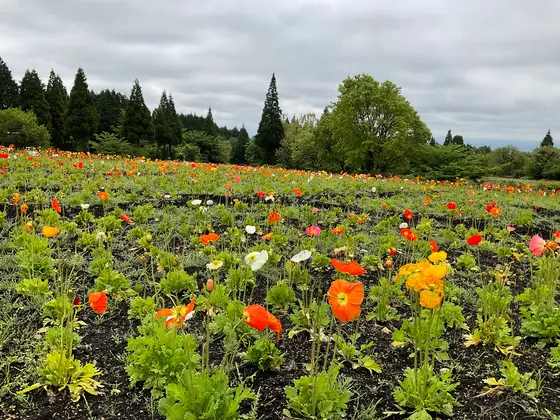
209 203
84 206
373 190
202 209
250 229
269 198
403 225
165 195
301 256
100 236
256 259
196 202
214 265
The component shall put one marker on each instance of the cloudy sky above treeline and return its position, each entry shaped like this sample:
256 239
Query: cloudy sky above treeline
488 70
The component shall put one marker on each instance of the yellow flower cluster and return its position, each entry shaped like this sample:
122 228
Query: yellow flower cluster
426 279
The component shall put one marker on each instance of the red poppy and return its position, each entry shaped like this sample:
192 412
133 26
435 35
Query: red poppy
409 234
211 237
352 268
126 218
297 191
237 178
474 240
55 205
274 324
451 206
345 299
98 302
274 217
76 301
337 230
392 251
408 214
256 316
433 246
261 194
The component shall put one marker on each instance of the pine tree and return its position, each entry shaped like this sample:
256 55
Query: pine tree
547 141
9 95
209 126
271 131
137 126
56 96
448 139
81 116
109 105
174 124
32 98
433 141
162 128
240 146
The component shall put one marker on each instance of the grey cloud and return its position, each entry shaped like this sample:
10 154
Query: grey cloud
486 70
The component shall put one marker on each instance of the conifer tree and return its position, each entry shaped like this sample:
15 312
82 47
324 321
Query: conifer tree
547 141
209 126
109 105
271 131
448 139
137 126
81 116
9 95
174 122
57 97
162 127
32 98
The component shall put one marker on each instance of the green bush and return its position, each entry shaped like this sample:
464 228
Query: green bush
22 129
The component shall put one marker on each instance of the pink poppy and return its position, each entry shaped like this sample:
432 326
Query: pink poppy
313 231
537 245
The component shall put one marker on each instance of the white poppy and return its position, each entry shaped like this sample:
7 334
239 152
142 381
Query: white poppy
214 265
84 206
250 229
256 259
202 209
403 225
301 256
209 203
196 202
373 190
100 236
269 198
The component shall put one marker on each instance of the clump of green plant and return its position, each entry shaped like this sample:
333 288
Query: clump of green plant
555 361
112 281
512 380
178 281
140 307
357 357
329 401
382 295
466 262
201 395
157 356
64 372
36 289
264 354
281 295
240 278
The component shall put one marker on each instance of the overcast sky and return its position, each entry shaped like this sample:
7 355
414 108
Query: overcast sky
488 70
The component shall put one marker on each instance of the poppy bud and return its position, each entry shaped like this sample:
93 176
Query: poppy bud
149 238
389 264
210 285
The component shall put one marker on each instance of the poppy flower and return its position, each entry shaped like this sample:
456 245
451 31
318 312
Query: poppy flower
98 302
436 257
408 214
490 206
261 194
495 211
176 317
50 231
24 208
237 178
392 251
474 240
76 301
126 218
471 201
16 197
256 316
557 236
539 246
427 201
337 230
345 299
256 259
313 231
301 256
29 227
102 195
451 206
409 234
211 237
229 185
55 205
433 246
297 191
267 236
431 297
274 324
352 268
274 217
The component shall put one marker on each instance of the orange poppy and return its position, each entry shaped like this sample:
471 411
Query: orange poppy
337 230
352 268
211 237
50 231
297 191
274 217
427 201
126 218
55 205
176 316
408 214
274 324
345 299
495 211
16 198
98 302
28 226
267 236
409 234
102 195
229 185
256 316
24 208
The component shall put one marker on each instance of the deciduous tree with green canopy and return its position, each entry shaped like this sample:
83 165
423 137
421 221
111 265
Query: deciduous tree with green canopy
377 125
21 129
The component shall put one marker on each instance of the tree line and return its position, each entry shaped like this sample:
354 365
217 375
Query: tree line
370 128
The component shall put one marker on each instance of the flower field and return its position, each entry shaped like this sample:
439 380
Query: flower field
138 289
